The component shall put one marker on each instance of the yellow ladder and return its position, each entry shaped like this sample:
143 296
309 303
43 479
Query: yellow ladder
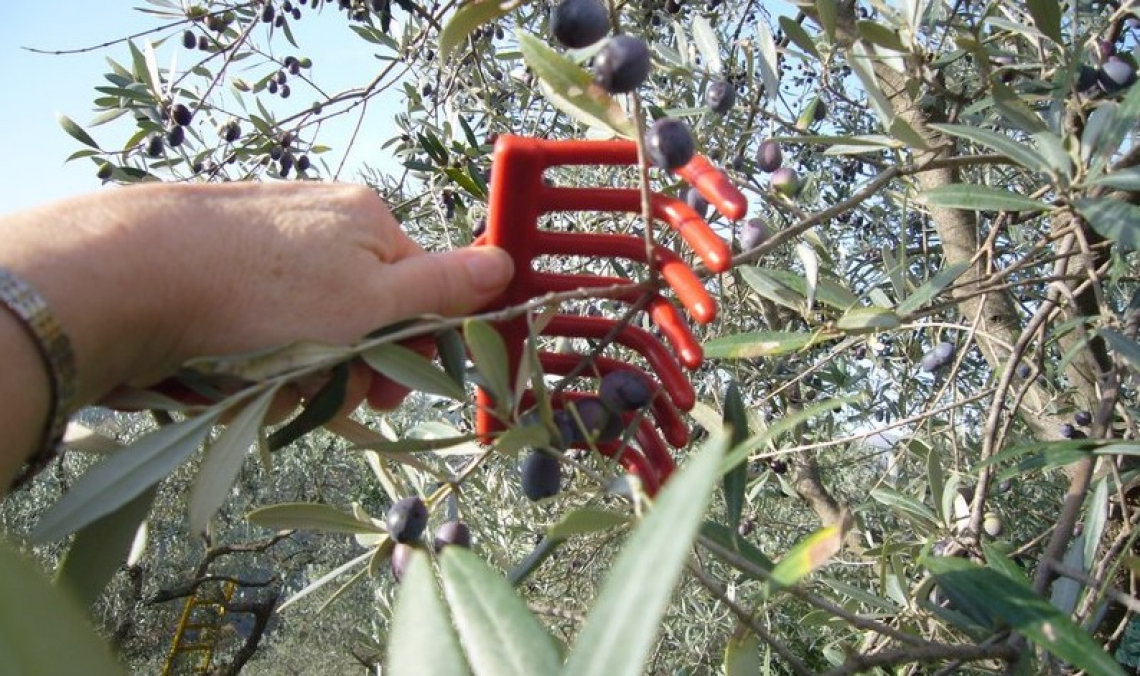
202 616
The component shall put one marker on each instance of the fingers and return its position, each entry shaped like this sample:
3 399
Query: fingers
447 283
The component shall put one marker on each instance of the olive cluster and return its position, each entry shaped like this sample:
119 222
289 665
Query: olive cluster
407 520
587 420
620 67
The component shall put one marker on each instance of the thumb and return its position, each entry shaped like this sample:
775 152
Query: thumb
448 283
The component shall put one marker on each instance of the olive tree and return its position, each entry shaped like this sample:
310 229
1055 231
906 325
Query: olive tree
924 351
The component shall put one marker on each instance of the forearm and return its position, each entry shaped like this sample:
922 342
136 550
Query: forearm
74 255
146 277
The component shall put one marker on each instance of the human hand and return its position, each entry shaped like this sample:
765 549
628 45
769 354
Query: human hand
244 267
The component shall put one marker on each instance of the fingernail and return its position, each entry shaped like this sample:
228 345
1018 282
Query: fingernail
490 268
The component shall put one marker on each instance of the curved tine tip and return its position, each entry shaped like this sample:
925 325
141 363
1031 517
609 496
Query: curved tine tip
717 188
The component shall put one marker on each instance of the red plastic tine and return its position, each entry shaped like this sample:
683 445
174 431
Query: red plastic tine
679 388
518 197
679 276
653 448
711 249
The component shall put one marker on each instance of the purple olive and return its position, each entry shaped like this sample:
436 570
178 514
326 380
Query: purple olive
753 234
579 23
622 65
596 420
785 181
696 200
625 391
541 475
820 111
1116 74
769 157
720 97
181 115
940 355
452 533
407 519
669 143
401 555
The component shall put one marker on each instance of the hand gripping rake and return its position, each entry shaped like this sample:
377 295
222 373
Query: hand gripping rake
518 196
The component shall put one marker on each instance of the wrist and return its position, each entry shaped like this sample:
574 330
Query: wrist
86 257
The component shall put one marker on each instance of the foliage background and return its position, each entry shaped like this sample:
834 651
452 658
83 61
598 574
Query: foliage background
879 220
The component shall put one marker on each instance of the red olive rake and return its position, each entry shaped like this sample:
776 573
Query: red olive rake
518 196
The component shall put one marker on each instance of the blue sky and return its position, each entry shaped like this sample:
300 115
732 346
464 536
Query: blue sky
39 86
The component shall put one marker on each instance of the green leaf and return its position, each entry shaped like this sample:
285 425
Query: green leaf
571 88
1115 219
1123 346
827 291
862 64
76 131
986 593
721 540
768 60
1097 142
498 633
1022 154
869 142
515 439
410 369
799 36
453 354
223 461
767 286
810 554
1124 179
422 641
1095 518
828 14
584 521
878 34
1015 110
903 131
1053 149
1113 128
1047 17
735 480
782 425
707 44
997 559
318 411
867 320
619 632
101 547
932 288
742 656
906 504
42 629
489 354
761 344
310 516
469 17
465 181
124 476
980 198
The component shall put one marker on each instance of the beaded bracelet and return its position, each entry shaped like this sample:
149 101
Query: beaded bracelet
55 349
